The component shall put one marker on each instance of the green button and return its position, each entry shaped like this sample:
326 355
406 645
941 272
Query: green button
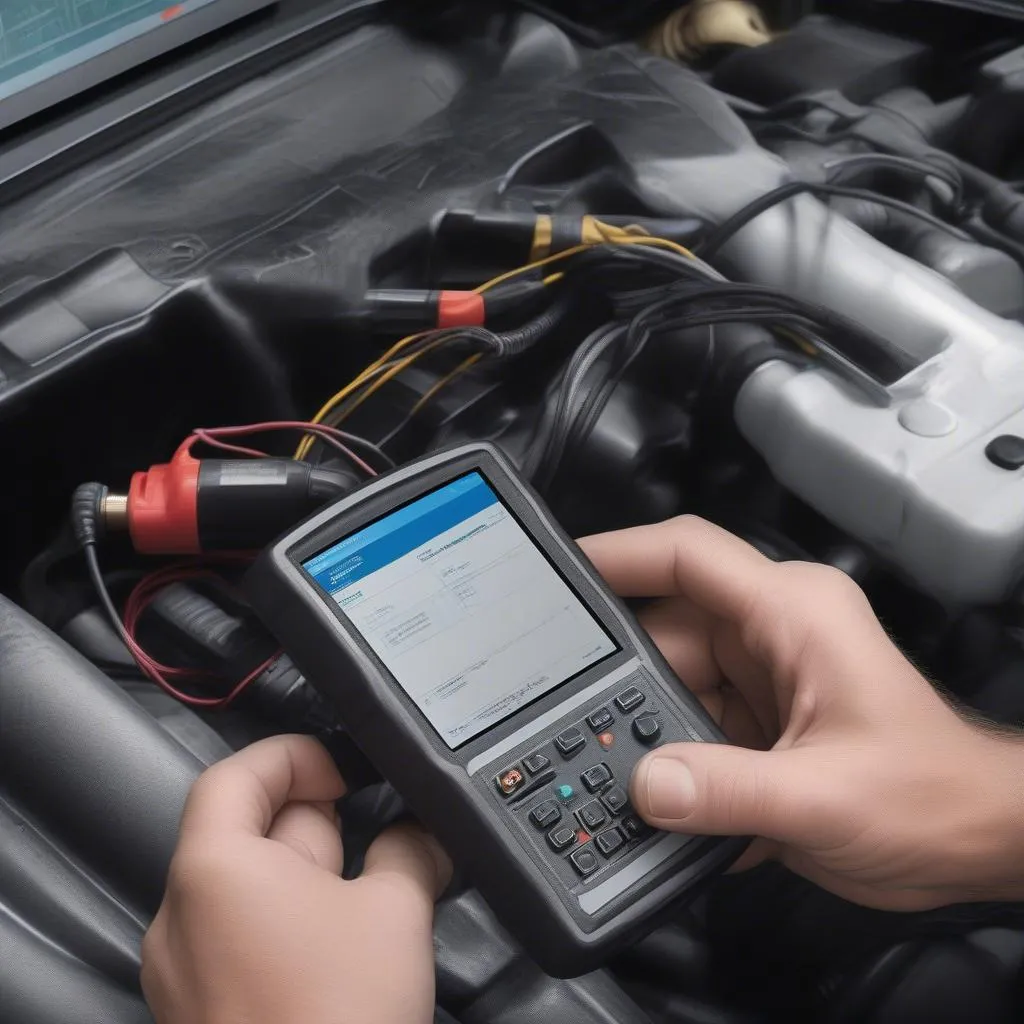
564 792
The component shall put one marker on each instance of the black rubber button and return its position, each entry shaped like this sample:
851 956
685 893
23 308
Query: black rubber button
592 816
630 698
599 719
596 777
570 741
615 799
609 841
585 861
535 763
546 814
635 827
1006 451
647 728
561 838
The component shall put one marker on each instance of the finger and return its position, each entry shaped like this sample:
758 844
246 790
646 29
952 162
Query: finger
311 834
244 792
407 853
329 809
686 555
683 634
715 789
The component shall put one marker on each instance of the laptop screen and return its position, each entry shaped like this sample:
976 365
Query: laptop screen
52 49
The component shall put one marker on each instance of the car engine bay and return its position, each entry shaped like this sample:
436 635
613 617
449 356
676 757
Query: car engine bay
779 286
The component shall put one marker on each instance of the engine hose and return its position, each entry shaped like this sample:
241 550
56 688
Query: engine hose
516 341
702 25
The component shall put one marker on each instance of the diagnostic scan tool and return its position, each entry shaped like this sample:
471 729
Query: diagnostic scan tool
482 665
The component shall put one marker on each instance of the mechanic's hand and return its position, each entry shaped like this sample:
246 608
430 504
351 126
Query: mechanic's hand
874 787
258 928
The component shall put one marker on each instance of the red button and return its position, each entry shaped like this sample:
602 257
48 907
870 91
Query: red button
606 739
582 837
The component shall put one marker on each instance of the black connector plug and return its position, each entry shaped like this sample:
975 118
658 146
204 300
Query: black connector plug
87 513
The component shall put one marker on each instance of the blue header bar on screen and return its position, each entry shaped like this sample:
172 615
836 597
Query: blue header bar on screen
397 534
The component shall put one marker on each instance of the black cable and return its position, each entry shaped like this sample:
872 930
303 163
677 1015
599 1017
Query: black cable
614 259
872 353
448 334
92 563
545 454
692 301
619 258
385 460
517 340
890 161
725 231
414 412
577 424
379 459
508 344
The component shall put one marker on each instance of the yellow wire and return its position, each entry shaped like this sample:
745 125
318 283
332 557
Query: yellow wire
385 377
664 243
375 367
336 399
616 235
446 379
619 235
526 268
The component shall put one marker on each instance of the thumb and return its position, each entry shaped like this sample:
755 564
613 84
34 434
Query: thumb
715 789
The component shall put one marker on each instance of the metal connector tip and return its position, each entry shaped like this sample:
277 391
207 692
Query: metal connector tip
114 509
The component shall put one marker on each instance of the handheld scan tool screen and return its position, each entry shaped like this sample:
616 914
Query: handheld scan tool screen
466 612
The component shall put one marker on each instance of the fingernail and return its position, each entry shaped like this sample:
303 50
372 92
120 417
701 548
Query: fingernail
668 788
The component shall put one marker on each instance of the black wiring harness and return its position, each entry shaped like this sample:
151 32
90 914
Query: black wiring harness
623 296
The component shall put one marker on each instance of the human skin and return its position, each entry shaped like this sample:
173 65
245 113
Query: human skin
257 927
848 765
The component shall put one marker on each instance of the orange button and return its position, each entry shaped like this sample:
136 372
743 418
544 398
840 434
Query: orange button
606 739
510 781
